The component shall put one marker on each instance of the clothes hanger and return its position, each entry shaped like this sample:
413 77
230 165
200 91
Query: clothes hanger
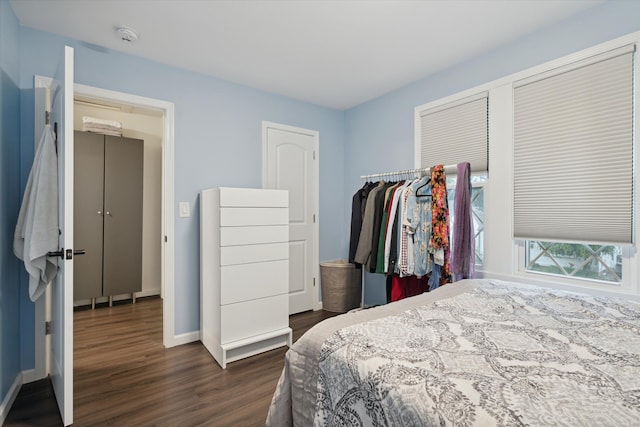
427 182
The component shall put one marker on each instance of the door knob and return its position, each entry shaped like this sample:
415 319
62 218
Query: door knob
66 254
99 212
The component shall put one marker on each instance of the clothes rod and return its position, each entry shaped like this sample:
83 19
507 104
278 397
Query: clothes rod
447 168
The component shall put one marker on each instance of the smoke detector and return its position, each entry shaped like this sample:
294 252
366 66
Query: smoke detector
126 34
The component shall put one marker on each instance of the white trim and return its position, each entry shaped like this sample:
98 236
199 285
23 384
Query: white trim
167 287
29 376
5 407
461 101
148 293
167 215
120 297
41 346
186 338
316 199
630 48
42 82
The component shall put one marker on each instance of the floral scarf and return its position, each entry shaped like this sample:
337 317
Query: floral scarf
440 227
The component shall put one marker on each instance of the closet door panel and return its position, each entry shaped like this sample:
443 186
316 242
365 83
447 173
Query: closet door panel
123 188
88 211
232 236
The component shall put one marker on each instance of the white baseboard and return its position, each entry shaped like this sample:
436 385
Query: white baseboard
99 300
148 293
319 307
29 376
10 398
186 338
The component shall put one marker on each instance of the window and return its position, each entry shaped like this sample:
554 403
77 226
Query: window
563 193
592 262
456 132
477 208
573 167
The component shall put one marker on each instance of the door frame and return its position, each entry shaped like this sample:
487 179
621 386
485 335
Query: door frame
314 199
167 214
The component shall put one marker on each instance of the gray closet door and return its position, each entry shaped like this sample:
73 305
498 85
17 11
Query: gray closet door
123 215
87 211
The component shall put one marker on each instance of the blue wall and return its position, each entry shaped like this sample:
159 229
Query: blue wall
218 142
218 133
9 197
379 134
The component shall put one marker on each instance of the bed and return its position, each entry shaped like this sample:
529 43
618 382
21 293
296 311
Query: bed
473 353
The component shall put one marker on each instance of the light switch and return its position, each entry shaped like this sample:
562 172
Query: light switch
185 209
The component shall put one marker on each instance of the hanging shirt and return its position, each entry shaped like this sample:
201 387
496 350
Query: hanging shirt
363 250
377 221
419 225
384 225
391 228
405 246
358 203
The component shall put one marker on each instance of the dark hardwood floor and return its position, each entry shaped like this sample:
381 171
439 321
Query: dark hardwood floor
123 376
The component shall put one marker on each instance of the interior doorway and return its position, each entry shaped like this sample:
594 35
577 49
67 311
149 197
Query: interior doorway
133 103
165 111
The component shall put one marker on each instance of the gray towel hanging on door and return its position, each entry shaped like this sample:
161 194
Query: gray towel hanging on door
37 227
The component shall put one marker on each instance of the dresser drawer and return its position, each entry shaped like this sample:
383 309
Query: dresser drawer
250 318
233 236
233 217
253 197
232 255
252 281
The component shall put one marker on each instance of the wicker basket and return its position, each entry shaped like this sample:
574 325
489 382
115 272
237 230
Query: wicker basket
341 286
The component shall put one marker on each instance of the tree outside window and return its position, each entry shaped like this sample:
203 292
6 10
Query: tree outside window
596 262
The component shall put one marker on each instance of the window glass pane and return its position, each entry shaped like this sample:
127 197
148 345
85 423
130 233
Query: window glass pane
477 206
596 262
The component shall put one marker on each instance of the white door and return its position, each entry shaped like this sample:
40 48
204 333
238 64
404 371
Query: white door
290 157
61 355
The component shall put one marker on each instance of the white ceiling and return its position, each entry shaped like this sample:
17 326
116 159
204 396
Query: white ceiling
332 53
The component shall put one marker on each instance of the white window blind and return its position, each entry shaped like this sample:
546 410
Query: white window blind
573 152
455 133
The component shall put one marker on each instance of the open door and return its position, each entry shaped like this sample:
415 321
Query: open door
61 351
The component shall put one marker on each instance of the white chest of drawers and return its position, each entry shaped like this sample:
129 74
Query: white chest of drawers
244 272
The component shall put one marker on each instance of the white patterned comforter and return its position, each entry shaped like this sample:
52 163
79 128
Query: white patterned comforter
497 354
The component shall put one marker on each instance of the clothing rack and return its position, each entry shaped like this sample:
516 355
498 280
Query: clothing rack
406 172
